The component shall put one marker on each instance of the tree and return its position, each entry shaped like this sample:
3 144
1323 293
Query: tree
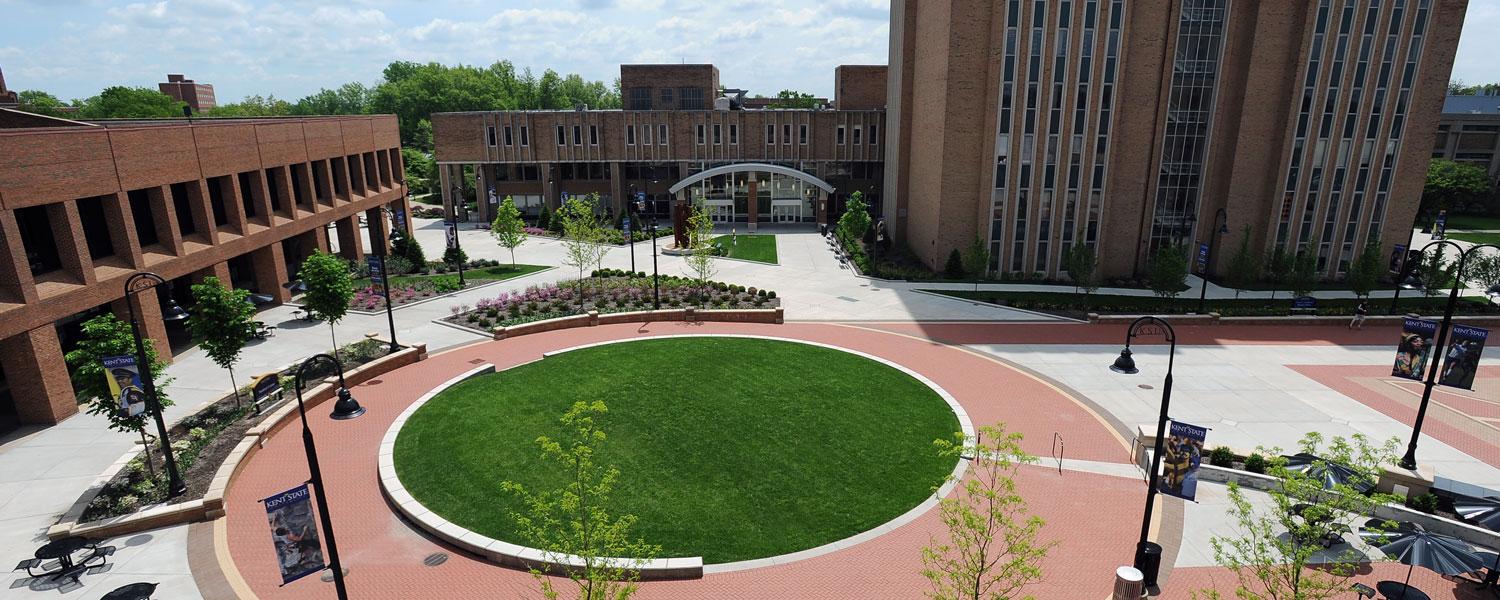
120 102
421 170
544 219
1483 271
1274 549
40 102
853 224
977 260
1434 272
573 525
701 259
455 257
222 323
1278 268
252 106
1245 265
1453 186
508 227
1304 271
582 234
329 290
1081 264
992 549
1458 88
406 246
107 335
794 99
1364 274
1167 271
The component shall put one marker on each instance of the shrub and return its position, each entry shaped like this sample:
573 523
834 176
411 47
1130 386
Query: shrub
128 503
762 293
198 434
1221 457
1426 503
1255 463
954 268
771 295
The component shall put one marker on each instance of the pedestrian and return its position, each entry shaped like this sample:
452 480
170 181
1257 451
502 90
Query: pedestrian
1358 322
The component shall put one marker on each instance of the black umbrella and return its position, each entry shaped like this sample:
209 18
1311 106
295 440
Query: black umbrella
1484 512
1445 555
297 287
1329 472
261 299
1375 533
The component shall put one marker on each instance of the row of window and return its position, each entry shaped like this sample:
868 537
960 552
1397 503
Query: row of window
641 135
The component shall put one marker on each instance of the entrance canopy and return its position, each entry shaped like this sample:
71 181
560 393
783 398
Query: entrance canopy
751 167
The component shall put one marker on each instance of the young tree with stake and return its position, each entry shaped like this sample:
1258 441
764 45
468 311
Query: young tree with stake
106 335
329 289
509 230
222 322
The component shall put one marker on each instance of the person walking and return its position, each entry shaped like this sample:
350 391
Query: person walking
1358 322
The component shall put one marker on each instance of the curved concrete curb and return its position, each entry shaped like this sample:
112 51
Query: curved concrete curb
517 556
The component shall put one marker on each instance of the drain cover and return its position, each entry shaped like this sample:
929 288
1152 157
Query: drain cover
435 559
848 299
1145 386
476 361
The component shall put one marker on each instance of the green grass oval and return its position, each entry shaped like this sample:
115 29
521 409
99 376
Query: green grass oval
729 448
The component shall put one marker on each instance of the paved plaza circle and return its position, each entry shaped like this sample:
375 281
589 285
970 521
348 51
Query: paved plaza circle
729 448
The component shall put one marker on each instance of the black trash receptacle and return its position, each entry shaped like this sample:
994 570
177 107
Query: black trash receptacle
1148 560
823 229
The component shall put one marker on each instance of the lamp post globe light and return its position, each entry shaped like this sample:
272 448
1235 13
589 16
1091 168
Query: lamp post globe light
343 409
1148 553
1413 282
134 284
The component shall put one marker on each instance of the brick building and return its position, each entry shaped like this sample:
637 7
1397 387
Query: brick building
85 205
676 136
1469 132
198 96
1040 124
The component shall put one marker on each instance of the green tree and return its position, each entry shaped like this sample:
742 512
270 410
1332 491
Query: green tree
103 336
352 98
508 227
252 106
1453 186
1279 268
544 219
573 524
406 246
329 290
1364 273
794 99
1435 273
992 550
120 102
700 259
1276 551
222 323
582 236
977 260
40 102
1483 271
1304 271
455 257
1245 265
1458 88
853 225
1166 273
954 268
1081 266
421 170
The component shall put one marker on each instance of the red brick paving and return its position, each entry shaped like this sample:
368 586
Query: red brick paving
384 554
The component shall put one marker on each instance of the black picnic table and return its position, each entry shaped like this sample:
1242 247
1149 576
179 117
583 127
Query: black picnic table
132 591
1395 590
62 551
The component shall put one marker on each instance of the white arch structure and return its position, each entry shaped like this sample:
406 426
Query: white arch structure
751 167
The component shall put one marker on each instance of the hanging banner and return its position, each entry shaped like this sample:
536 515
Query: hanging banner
298 551
373 263
1462 359
1415 348
452 231
1398 259
400 217
1181 459
1441 226
1202 258
125 387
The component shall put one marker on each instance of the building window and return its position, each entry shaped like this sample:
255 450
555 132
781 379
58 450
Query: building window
717 138
802 134
182 205
646 135
577 135
734 134
630 135
786 133
770 134
839 137
593 135
509 141
525 139
562 138
690 98
856 135
666 98
37 240
874 134
490 134
661 134
700 134
96 226
640 98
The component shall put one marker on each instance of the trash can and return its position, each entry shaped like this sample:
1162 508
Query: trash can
1128 584
823 229
1148 560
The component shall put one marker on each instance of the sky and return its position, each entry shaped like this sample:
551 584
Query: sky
292 48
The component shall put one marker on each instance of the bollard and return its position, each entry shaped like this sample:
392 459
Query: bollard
1130 584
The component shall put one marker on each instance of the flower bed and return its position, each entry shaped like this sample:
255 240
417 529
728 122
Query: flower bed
371 298
605 291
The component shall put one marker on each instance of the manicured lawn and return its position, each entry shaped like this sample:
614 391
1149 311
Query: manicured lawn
1077 304
759 248
1472 222
728 448
486 274
1477 238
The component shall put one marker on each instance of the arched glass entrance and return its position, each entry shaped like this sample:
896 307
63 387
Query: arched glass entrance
756 193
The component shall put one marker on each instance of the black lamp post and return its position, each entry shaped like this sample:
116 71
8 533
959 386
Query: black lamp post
655 277
1126 364
457 193
630 208
1412 282
1405 268
136 283
1221 218
345 408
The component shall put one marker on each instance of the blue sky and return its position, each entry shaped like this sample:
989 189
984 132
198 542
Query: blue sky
290 48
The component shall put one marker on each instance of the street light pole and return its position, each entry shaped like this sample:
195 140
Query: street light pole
655 277
1221 222
385 287
175 485
630 239
1405 268
457 193
1409 460
345 408
1126 364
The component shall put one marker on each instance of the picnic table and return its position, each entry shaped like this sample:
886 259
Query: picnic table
62 551
131 591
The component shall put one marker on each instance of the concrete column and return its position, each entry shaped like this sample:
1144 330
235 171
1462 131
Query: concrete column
269 264
72 247
165 216
376 224
203 211
147 305
350 246
752 207
445 188
38 376
16 283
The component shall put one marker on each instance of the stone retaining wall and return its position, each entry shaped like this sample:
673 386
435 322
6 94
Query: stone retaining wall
593 318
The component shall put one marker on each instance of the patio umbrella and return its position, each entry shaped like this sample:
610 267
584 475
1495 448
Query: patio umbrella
261 299
1331 473
1374 532
1439 553
1484 512
297 287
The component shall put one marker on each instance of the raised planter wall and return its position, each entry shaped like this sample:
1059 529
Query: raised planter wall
742 315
